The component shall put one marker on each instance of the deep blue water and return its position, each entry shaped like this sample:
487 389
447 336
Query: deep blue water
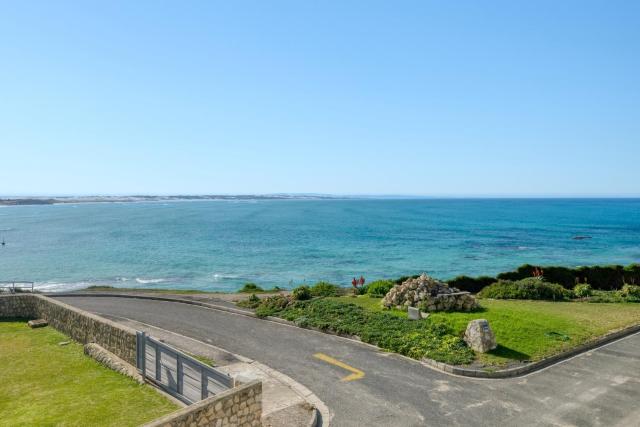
220 245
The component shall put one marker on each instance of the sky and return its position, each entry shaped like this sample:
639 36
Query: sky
446 98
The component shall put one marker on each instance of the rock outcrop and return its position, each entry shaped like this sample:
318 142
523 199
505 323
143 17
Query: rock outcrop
429 294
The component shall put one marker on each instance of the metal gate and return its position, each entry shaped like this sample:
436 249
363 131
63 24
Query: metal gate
177 373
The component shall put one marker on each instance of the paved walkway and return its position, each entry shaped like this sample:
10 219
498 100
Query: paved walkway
598 388
282 397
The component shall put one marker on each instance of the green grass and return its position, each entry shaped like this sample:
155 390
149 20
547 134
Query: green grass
204 359
369 303
43 383
532 330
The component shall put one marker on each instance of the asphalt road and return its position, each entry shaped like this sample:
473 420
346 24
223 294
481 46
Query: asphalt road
598 388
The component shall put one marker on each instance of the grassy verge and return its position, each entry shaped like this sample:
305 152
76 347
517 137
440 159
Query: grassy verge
531 330
44 383
416 339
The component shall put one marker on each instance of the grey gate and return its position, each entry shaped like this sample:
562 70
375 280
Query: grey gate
177 373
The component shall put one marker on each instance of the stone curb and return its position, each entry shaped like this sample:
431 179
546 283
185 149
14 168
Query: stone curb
444 367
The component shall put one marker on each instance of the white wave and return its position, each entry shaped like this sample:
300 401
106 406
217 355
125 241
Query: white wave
219 276
61 286
146 281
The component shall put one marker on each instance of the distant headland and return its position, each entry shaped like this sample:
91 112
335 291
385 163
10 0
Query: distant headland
18 201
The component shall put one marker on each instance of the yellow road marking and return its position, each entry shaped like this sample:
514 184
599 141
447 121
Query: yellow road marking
356 375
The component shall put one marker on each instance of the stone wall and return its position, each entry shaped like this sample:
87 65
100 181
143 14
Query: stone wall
17 306
78 324
240 406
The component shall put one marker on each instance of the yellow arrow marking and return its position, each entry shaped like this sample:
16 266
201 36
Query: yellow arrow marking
356 375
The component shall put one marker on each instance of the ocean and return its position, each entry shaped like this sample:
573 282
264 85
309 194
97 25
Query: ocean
219 245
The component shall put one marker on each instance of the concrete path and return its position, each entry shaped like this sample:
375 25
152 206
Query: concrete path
598 388
281 397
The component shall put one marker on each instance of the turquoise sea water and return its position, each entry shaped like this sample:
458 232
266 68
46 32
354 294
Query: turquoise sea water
218 245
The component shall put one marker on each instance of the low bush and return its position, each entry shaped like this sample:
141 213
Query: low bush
416 339
623 295
324 289
379 288
361 290
252 302
600 277
301 293
272 305
606 297
250 288
530 288
630 291
582 290
471 284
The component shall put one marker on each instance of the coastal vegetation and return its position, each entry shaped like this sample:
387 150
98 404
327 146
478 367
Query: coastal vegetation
47 380
386 330
609 277
252 288
531 288
532 318
525 330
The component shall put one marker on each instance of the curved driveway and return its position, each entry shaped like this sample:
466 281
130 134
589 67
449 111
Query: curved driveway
598 388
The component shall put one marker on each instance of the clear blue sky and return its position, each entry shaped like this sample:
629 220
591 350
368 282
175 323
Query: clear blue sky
347 97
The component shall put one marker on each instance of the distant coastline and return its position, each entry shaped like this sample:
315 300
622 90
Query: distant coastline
53 200
22 201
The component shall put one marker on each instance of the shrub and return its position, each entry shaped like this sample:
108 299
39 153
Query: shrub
379 288
630 291
530 288
252 302
606 297
324 289
582 290
415 339
607 277
272 305
471 284
362 290
251 288
301 293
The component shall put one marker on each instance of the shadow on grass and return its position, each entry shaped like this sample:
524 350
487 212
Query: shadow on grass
509 353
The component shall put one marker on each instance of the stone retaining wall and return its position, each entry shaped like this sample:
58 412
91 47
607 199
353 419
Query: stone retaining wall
78 324
240 406
17 306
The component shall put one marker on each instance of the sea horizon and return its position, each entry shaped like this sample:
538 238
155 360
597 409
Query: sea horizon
218 245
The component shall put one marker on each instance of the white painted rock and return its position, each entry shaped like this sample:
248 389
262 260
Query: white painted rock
479 336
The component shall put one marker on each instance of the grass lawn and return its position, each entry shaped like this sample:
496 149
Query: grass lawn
532 330
44 383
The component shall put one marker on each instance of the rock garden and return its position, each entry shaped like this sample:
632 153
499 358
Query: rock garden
429 294
503 322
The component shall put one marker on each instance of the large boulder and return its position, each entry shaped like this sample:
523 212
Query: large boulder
429 294
479 336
